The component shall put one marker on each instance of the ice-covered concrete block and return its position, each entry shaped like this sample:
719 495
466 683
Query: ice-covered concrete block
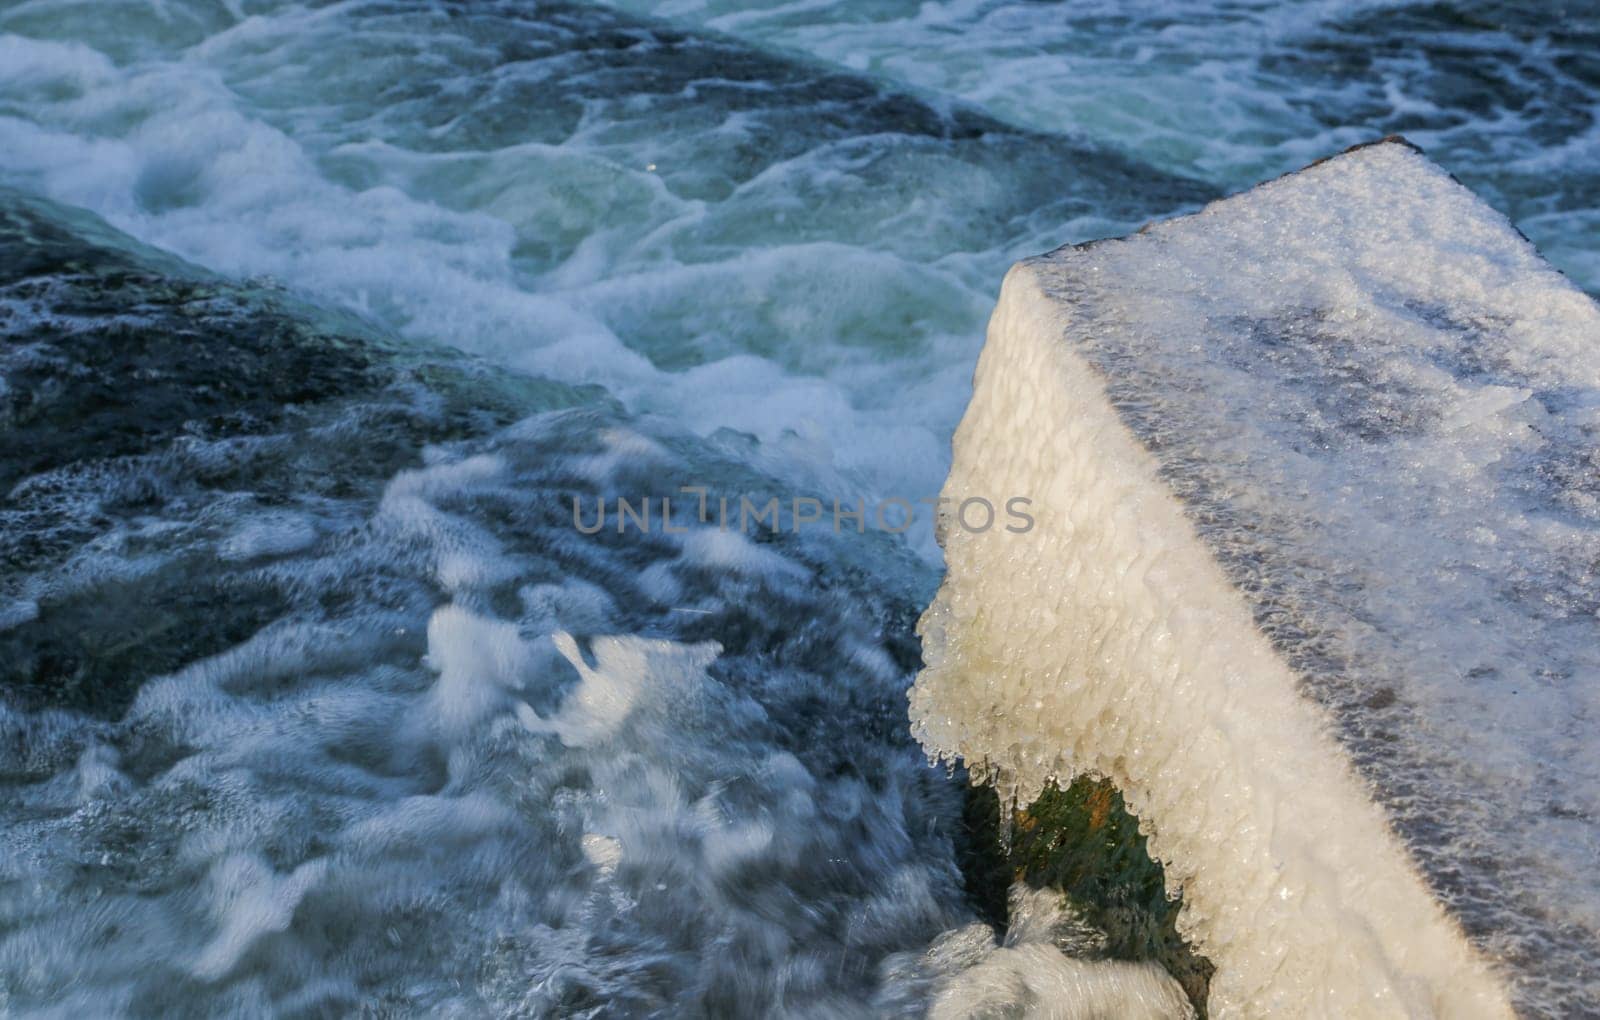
1313 579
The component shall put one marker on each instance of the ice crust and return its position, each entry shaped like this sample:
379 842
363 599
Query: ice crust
1312 580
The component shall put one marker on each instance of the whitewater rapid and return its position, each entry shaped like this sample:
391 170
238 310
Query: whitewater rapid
1501 93
562 189
317 701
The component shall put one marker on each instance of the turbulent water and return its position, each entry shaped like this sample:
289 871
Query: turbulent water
314 320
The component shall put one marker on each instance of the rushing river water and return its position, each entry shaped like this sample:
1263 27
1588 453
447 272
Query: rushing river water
314 317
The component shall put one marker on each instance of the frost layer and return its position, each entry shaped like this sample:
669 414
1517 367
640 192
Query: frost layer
1312 581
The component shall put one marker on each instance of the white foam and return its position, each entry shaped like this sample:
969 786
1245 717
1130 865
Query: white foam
608 691
1316 440
269 535
17 612
251 902
716 549
98 775
480 662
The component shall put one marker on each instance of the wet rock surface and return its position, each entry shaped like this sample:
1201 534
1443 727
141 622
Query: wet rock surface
142 401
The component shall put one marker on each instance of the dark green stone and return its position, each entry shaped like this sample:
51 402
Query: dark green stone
1083 843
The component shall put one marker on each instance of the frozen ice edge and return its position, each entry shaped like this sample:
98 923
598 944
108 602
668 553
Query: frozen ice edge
1112 641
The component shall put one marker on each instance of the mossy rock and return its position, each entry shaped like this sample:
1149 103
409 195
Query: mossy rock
1083 842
